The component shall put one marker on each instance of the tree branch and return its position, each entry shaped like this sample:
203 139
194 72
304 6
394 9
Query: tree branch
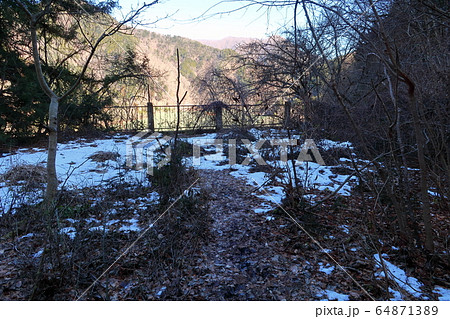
108 32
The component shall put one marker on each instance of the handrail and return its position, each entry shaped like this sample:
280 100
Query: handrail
184 105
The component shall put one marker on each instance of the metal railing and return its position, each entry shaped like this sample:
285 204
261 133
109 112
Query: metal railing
195 117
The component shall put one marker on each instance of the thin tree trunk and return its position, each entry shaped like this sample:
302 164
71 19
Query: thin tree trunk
179 101
52 178
426 214
52 183
419 134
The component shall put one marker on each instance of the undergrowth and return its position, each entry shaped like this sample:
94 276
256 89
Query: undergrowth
53 266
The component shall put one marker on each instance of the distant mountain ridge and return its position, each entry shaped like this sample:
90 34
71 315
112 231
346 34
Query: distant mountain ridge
226 43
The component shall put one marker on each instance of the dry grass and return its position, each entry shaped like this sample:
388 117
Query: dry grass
104 156
32 175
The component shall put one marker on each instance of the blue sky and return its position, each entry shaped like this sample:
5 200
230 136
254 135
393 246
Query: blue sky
255 22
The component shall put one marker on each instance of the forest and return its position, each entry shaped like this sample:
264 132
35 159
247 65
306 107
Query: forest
313 164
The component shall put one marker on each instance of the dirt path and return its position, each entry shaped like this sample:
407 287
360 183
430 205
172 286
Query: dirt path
245 257
244 260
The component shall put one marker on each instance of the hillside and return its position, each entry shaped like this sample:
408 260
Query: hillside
161 52
226 43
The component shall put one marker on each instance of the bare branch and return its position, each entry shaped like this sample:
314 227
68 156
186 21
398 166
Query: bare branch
107 33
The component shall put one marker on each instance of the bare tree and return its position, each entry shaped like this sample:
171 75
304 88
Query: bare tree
36 14
385 64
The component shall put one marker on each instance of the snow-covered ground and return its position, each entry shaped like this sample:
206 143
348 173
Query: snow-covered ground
74 168
311 174
403 282
76 171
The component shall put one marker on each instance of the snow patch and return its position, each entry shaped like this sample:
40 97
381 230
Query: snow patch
397 296
443 292
275 194
329 144
133 227
29 235
38 254
333 295
326 269
161 291
69 231
99 228
73 167
409 284
262 210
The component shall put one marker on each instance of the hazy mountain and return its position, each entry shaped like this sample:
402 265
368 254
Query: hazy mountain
226 43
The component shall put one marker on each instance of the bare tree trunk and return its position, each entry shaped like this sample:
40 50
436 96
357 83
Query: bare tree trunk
426 214
52 182
420 138
179 101
52 178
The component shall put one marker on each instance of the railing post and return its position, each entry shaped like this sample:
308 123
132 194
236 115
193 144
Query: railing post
287 114
218 116
150 117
